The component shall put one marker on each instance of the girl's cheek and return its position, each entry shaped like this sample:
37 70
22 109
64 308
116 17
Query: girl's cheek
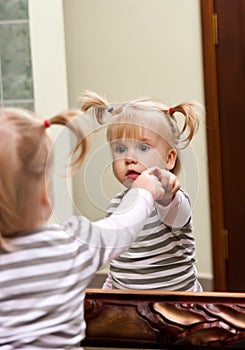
147 158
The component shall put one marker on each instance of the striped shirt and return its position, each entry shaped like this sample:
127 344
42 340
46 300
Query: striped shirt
44 276
162 255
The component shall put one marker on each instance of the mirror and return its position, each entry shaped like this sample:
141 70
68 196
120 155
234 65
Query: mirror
131 50
123 49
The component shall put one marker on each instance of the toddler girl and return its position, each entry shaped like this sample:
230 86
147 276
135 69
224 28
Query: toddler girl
44 268
144 133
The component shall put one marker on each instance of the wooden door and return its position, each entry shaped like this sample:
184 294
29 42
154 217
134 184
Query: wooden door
223 29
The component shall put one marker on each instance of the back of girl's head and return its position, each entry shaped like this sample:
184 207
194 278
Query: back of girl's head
23 157
26 159
130 118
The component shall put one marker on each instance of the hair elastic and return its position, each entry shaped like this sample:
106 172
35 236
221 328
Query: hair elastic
171 110
46 123
110 109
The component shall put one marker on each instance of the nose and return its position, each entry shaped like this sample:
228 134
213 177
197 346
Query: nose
130 160
130 155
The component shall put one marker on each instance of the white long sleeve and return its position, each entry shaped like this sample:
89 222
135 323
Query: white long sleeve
119 229
178 212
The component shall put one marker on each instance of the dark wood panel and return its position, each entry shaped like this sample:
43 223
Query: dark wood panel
214 147
230 61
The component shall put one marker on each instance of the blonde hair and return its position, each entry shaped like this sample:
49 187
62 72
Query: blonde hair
25 158
128 119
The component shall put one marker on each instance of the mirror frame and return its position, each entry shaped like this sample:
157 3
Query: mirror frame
218 238
160 319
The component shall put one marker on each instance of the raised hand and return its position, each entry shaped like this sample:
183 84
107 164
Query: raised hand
151 183
170 185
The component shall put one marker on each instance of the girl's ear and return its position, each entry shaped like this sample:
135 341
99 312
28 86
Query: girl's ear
44 195
47 192
46 200
172 156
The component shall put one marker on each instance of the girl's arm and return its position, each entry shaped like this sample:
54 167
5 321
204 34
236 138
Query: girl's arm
117 231
108 282
105 239
173 205
178 212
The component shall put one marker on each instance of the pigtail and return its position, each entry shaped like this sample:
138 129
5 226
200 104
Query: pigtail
191 112
90 99
70 120
27 160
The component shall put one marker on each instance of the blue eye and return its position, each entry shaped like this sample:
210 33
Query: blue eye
144 148
120 149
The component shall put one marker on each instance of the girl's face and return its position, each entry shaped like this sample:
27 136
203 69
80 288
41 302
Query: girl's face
132 156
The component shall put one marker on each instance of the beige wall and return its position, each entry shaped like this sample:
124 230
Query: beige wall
127 49
50 87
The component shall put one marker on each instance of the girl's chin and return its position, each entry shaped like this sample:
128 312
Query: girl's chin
128 183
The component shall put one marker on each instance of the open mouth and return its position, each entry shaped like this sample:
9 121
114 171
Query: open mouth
132 174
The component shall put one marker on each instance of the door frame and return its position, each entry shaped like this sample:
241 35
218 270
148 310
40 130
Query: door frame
209 33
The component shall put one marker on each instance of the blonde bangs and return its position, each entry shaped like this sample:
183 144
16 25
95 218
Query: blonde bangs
133 124
125 131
